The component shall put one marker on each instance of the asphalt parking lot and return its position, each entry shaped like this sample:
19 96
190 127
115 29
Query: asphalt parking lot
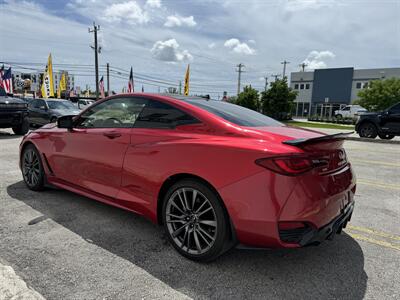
66 246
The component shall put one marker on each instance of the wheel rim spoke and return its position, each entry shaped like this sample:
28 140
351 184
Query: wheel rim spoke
196 240
187 230
208 222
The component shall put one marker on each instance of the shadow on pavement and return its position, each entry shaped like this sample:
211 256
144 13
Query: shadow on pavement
332 270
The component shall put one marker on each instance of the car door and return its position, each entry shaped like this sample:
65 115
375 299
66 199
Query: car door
157 124
42 114
32 111
392 119
92 153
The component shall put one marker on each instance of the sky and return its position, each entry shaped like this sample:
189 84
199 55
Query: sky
159 38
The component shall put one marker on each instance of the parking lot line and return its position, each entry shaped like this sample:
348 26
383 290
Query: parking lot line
373 232
379 184
376 162
349 149
364 238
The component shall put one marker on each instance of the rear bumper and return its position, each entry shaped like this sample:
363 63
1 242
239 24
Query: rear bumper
327 232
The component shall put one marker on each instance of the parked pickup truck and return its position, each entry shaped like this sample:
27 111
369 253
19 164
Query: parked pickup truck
385 124
14 114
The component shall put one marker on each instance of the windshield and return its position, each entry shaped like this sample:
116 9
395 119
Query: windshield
60 105
234 113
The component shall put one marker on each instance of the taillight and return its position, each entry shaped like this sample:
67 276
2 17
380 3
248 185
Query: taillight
290 165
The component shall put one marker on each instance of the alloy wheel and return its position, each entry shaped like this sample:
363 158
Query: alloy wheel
31 168
191 220
368 130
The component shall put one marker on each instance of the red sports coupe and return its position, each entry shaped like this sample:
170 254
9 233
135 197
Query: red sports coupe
214 174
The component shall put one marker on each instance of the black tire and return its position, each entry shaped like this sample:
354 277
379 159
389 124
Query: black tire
53 120
32 168
195 233
23 128
386 136
368 130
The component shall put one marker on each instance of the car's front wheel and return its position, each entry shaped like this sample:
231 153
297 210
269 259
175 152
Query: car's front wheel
368 130
386 136
32 168
195 221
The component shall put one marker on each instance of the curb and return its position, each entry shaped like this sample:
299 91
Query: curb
379 141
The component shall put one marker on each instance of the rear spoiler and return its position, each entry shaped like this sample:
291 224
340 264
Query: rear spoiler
330 137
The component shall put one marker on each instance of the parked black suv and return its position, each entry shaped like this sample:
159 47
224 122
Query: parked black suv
14 114
385 124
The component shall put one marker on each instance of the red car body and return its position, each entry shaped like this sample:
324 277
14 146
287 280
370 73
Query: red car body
132 171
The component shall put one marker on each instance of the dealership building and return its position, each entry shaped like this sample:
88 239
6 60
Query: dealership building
322 91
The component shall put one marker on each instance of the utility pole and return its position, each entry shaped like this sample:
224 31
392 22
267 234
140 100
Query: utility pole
303 66
180 87
239 70
275 76
95 29
108 79
284 63
266 83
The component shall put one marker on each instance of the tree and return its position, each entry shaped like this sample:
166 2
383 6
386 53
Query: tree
278 101
380 94
248 98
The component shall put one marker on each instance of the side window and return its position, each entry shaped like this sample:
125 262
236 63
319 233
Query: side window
113 113
307 86
395 109
41 104
296 86
161 115
302 86
32 104
358 85
346 108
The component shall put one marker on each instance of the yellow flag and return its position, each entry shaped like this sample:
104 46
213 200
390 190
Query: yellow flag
47 85
62 86
186 89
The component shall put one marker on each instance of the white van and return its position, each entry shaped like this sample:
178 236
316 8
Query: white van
350 111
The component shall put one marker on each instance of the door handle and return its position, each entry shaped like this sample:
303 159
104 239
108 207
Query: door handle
112 134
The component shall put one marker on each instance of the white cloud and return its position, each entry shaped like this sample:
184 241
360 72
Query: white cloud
211 45
153 3
238 47
177 20
316 59
129 11
169 51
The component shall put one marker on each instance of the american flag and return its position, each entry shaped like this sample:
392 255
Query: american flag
6 80
1 76
131 87
101 85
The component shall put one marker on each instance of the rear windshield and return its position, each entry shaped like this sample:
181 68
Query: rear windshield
234 113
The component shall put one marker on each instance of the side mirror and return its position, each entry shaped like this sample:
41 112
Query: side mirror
65 122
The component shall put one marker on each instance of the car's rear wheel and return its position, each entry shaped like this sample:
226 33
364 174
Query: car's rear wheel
195 221
23 128
32 168
368 130
386 136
